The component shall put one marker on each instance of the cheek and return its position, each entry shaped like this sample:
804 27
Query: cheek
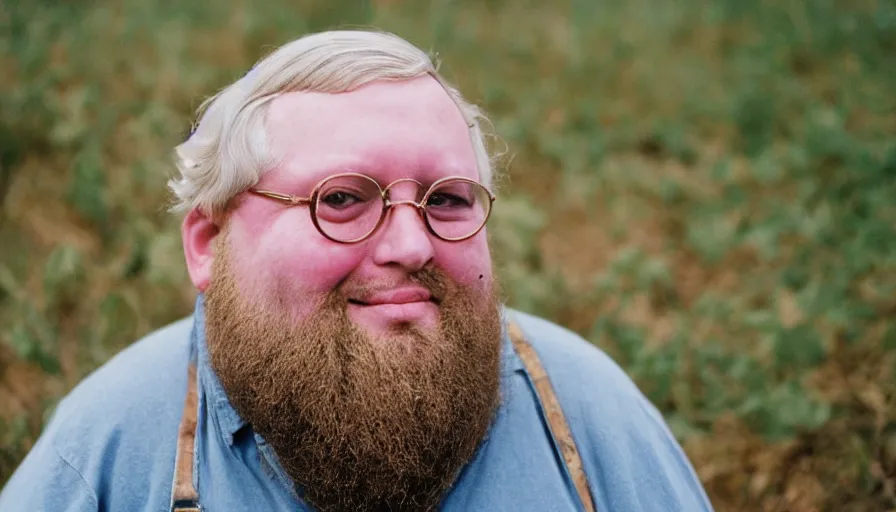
466 261
288 258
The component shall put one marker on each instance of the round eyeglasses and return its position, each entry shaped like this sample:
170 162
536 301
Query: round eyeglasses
348 208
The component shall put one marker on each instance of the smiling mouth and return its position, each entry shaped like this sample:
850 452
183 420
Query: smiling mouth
357 302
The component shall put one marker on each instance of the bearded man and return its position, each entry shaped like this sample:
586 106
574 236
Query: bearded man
348 349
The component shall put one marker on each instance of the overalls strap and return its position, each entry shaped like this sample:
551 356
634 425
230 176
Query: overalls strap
184 497
553 414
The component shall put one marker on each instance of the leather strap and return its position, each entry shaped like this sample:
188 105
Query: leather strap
556 420
184 497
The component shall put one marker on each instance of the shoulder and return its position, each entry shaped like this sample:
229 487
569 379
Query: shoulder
139 378
120 422
579 371
627 448
594 391
45 481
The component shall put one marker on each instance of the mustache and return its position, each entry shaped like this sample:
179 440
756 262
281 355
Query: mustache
436 282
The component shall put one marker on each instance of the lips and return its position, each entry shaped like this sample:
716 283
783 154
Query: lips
407 295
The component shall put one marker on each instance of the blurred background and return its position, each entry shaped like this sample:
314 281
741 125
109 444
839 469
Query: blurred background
704 189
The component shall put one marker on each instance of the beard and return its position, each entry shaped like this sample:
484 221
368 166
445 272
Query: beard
360 422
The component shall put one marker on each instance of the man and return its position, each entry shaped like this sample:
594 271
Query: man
348 350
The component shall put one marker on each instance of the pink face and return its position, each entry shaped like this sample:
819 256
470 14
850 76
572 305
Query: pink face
388 131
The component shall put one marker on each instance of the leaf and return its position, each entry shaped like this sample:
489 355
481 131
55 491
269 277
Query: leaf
29 348
710 236
62 267
754 117
785 411
87 187
890 338
798 347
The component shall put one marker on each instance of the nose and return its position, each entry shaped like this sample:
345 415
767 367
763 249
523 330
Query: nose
403 239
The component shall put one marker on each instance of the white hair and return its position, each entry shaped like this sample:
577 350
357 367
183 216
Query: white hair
227 152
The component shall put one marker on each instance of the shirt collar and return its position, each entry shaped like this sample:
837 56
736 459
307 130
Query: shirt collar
510 361
222 411
224 414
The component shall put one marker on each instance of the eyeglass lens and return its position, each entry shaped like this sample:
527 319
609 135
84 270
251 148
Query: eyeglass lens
348 208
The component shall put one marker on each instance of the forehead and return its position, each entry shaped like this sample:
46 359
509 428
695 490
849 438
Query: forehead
388 130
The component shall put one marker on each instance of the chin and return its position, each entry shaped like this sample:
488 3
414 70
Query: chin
391 319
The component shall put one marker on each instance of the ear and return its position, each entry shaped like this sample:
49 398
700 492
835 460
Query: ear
198 232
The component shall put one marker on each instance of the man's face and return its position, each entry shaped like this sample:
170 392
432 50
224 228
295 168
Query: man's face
387 131
370 402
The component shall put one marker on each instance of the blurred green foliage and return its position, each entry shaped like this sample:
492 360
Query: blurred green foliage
706 190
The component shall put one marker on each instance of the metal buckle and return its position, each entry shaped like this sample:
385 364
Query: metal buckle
186 506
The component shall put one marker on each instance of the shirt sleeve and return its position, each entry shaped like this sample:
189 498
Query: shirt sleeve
46 482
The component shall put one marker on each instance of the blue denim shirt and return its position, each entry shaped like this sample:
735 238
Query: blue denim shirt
111 442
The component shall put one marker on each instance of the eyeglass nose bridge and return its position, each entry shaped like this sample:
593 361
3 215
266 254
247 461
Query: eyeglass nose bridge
388 204
415 204
387 207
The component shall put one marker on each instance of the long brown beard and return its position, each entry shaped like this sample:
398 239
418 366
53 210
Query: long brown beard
358 423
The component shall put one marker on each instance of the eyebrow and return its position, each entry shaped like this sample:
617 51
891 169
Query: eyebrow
305 180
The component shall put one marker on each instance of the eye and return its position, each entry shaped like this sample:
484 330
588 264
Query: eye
339 199
446 200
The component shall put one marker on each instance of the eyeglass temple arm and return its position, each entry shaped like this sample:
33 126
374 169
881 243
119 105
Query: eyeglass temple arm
285 198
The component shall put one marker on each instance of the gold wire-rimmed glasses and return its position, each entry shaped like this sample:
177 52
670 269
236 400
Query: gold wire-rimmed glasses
349 207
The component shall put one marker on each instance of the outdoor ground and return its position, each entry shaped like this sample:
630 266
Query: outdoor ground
704 189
